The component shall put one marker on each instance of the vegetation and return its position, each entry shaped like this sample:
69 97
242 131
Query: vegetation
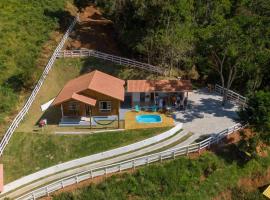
30 152
24 29
257 115
201 178
226 41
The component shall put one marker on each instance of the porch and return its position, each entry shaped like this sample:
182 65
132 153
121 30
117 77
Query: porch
78 113
161 94
159 100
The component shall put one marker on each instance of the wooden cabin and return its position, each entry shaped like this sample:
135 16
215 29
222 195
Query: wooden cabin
94 94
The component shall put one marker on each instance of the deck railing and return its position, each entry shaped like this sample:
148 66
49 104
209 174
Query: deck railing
129 164
231 95
31 98
109 57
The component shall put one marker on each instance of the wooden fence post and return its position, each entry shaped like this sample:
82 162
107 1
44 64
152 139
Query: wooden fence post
187 150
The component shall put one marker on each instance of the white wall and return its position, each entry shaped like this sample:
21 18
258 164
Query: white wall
135 97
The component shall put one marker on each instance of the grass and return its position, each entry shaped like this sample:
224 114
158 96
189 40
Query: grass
130 120
30 152
61 73
204 177
30 31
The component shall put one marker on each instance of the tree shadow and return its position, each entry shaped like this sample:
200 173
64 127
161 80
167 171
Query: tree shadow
64 18
16 82
208 105
230 153
81 4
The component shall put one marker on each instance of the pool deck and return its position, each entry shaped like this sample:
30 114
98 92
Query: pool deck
131 123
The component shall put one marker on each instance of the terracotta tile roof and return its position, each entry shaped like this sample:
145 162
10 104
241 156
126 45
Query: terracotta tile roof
96 81
84 99
158 85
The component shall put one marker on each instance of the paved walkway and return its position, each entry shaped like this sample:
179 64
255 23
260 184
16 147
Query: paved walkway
127 156
215 117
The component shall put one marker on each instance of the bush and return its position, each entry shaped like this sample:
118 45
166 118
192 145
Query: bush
8 101
257 113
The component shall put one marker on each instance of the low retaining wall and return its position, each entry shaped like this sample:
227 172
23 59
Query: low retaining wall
129 164
88 159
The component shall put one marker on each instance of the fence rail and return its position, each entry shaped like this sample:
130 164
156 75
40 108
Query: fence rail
129 164
231 95
109 57
31 98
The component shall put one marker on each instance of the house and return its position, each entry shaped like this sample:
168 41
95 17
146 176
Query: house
94 94
159 92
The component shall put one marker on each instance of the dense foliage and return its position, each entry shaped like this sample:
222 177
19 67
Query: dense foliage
24 28
257 113
202 178
228 41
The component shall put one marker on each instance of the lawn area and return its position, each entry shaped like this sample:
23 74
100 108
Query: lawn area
130 120
61 73
201 178
30 152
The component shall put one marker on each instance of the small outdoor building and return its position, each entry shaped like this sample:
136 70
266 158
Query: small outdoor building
158 92
94 94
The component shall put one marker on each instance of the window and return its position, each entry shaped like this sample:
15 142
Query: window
105 106
73 106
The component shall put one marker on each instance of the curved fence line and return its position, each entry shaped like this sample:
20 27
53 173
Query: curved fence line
31 98
90 159
129 164
109 57
231 95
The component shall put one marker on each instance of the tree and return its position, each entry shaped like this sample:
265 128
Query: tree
257 113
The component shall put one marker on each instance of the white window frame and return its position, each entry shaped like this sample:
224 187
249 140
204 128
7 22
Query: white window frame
109 106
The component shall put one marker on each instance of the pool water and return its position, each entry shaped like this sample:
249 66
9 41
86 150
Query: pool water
148 119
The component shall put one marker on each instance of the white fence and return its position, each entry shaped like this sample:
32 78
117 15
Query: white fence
90 159
30 100
231 95
129 164
109 57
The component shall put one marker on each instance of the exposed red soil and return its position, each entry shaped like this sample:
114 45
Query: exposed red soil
256 181
248 184
94 32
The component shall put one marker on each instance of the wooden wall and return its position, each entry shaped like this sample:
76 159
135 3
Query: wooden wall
95 110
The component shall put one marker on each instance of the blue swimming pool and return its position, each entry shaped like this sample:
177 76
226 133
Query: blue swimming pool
148 119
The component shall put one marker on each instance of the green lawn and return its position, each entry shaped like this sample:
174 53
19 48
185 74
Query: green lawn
61 73
30 152
201 178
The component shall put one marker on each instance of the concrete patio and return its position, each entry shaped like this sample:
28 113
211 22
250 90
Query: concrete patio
205 115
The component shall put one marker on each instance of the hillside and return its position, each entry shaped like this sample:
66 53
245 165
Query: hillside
29 33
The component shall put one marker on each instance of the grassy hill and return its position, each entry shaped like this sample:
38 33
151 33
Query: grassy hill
27 39
204 178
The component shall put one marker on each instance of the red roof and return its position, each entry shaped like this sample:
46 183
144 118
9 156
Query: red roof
96 81
84 99
158 85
